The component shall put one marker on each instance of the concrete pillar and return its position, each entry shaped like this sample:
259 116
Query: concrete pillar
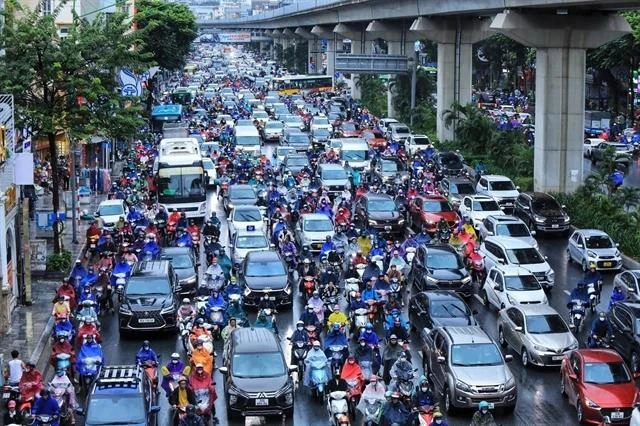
393 48
314 61
264 45
561 42
358 42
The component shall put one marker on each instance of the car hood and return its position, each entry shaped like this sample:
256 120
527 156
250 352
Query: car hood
611 396
350 133
242 201
151 302
504 194
550 213
448 274
453 322
257 385
435 217
483 375
334 182
527 296
262 283
605 251
184 273
317 236
110 218
390 215
259 224
555 341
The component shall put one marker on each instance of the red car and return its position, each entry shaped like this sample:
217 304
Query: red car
348 129
598 383
427 210
374 138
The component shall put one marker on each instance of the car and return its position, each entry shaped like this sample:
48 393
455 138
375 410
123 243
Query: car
398 132
319 137
148 302
185 266
466 367
386 122
243 217
592 245
629 282
439 267
210 172
589 144
506 226
375 138
542 212
121 395
508 285
500 188
263 273
455 188
425 211
298 140
257 380
512 251
388 170
598 384
439 308
479 207
209 147
537 333
321 122
380 212
312 229
623 319
239 195
245 241
282 152
333 177
449 163
622 152
259 115
415 143
272 131
295 163
109 212
333 144
294 122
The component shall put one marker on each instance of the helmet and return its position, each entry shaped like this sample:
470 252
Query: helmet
186 300
306 261
368 326
437 415
592 265
300 323
336 326
175 355
484 405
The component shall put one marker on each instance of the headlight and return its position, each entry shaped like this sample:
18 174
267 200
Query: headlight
591 254
550 274
203 207
288 398
167 310
591 404
466 280
462 386
125 310
431 279
287 290
537 218
545 301
233 399
247 291
510 383
401 222
617 253
567 219
511 299
191 280
573 346
540 348
372 222
231 205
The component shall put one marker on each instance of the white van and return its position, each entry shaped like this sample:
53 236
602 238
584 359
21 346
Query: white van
356 152
248 139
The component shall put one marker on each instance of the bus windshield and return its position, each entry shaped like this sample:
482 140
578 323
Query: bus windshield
181 183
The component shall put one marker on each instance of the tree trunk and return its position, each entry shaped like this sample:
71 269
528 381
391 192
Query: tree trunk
55 188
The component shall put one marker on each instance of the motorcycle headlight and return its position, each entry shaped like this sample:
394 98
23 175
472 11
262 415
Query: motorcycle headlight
462 386
466 280
288 398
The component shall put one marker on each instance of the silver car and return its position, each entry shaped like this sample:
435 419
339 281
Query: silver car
506 226
594 246
629 282
536 332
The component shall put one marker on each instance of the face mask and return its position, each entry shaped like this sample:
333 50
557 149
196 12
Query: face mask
438 421
61 340
300 328
393 342
424 389
352 361
483 411
316 348
363 344
175 361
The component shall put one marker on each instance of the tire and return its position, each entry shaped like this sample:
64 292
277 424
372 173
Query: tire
579 413
569 260
501 339
446 403
485 299
524 358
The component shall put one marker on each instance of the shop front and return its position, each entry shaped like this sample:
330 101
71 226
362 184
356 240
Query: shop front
41 145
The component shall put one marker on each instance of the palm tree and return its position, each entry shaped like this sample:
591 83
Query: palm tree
628 197
597 183
474 131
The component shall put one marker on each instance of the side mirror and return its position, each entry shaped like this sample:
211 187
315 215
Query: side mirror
501 260
508 358
497 287
518 329
580 246
517 188
526 208
636 375
563 207
96 214
223 370
533 232
440 360
617 244
154 409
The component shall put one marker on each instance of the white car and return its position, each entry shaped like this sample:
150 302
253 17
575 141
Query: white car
508 285
512 251
500 188
506 226
245 218
593 245
589 144
246 241
312 230
415 143
321 122
110 211
210 172
479 207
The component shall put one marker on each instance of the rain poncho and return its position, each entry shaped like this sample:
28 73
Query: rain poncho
170 372
373 391
315 358
335 339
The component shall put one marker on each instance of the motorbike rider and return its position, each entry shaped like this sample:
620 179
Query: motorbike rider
174 217
402 367
45 405
398 329
395 412
151 246
391 353
61 308
62 345
375 390
357 303
183 395
146 354
209 229
318 305
214 220
578 294
592 276
338 317
327 246
201 355
192 418
12 416
299 335
89 349
391 318
89 328
66 290
174 367
216 299
235 310
61 381
438 420
31 382
105 262
399 263
337 383
78 272
617 295
600 330
214 270
265 322
186 309
336 337
200 382
129 256
309 317
422 395
229 328
315 354
483 416
161 214
372 270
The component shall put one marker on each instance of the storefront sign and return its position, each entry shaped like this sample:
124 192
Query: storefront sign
38 255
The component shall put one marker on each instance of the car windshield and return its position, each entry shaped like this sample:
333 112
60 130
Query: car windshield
241 194
512 230
599 242
443 260
449 309
461 188
208 165
111 210
294 119
257 365
321 133
299 138
181 261
243 215
475 355
317 225
349 127
297 161
522 283
320 121
267 268
338 174
354 155
389 166
486 206
145 286
381 206
546 324
502 185
545 203
116 409
248 140
403 130
524 256
273 125
436 206
605 373
251 242
451 161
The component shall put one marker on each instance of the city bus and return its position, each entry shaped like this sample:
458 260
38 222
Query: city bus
180 177
294 84
162 114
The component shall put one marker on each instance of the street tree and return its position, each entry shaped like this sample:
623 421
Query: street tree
67 84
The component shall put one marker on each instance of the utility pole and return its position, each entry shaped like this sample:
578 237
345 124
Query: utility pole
72 187
414 77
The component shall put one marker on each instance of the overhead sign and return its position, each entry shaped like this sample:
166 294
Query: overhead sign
235 37
371 64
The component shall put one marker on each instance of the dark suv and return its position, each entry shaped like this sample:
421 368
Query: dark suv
381 213
121 395
439 267
257 380
263 273
147 302
624 324
542 212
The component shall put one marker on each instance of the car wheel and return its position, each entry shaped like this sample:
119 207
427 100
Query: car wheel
501 339
569 260
524 357
485 299
579 413
563 390
448 405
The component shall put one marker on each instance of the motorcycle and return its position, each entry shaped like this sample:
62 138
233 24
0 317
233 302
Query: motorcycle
410 253
577 314
184 325
309 286
360 320
60 392
475 263
150 368
593 290
89 370
425 414
351 287
300 351
195 241
43 420
337 358
319 378
372 410
404 383
353 394
217 321
63 362
337 406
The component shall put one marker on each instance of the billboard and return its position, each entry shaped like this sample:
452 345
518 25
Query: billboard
238 37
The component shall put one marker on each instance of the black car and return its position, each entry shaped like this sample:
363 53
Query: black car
389 170
263 273
238 195
257 380
379 212
147 302
439 267
449 163
295 163
623 319
121 395
455 188
439 308
185 266
541 212
319 138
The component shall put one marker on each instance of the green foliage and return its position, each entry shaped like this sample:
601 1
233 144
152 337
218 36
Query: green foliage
401 85
474 130
59 262
503 53
301 57
167 31
289 58
373 94
279 52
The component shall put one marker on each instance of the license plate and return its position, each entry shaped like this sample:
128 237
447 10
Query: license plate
491 406
146 320
617 415
607 264
555 225
387 228
272 298
262 402
6 395
557 358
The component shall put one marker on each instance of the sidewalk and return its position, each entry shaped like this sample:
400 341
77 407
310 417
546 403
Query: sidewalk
31 326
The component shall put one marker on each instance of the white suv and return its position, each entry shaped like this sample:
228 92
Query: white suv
512 251
500 188
508 285
478 208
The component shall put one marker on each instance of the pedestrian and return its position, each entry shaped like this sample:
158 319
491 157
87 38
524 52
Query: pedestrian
13 372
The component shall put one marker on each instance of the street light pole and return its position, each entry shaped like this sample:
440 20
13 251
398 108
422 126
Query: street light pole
72 187
414 78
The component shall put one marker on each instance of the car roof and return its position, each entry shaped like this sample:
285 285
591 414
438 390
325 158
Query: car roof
376 196
592 232
246 207
173 251
540 195
245 232
504 218
111 202
433 197
512 270
151 268
261 256
315 216
440 295
332 166
508 242
240 186
441 247
458 179
495 177
599 355
537 309
467 334
254 340
479 197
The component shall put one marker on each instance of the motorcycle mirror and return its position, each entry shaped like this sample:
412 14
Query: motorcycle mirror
508 358
154 409
223 370
440 360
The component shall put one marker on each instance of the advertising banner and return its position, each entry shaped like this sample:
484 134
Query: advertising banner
238 37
